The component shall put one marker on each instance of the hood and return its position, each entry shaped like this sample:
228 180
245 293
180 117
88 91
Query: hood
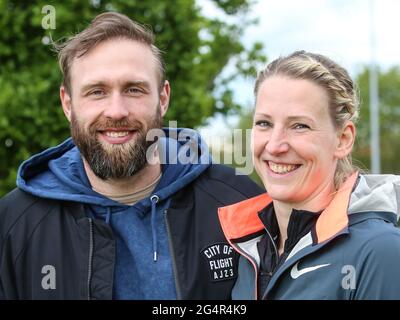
58 173
377 193
360 194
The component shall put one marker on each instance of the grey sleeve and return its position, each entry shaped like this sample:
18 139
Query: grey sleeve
379 269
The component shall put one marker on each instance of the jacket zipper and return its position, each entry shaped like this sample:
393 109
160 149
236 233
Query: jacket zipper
270 274
274 245
90 262
252 261
171 246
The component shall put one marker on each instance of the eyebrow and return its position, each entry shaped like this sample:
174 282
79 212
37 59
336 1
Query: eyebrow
127 84
290 118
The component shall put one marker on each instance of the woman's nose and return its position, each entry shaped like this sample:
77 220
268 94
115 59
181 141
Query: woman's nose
277 142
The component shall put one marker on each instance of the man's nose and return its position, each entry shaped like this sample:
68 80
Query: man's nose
277 142
117 108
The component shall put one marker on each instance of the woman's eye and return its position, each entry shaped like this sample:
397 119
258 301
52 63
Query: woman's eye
301 126
263 124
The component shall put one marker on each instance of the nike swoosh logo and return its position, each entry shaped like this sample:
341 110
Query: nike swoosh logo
295 272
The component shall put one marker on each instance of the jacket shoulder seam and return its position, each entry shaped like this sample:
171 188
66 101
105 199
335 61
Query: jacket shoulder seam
31 235
210 194
224 183
16 220
213 196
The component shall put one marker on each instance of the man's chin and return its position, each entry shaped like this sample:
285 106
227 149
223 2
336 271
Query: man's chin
112 147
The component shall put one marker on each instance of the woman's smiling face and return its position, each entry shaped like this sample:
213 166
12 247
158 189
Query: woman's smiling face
294 140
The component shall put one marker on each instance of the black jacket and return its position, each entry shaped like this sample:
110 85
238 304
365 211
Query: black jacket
50 249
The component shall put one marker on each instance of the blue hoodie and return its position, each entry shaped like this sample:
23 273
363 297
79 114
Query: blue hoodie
143 268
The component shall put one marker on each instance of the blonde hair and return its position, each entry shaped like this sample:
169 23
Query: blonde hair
106 26
343 96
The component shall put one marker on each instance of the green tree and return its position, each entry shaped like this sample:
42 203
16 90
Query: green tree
246 123
389 112
196 49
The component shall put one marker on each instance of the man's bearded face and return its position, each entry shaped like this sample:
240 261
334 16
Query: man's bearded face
114 160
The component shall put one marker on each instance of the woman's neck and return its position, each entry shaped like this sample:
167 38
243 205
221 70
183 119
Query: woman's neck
283 210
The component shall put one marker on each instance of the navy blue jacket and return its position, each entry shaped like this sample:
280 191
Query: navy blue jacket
54 224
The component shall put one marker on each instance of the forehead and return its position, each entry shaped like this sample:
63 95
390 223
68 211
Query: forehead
281 95
115 60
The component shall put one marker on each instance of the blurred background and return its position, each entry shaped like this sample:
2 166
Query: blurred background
213 49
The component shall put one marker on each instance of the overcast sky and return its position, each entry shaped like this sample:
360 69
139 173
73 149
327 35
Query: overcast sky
339 29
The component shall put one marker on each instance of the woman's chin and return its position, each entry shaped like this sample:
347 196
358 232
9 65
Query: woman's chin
283 193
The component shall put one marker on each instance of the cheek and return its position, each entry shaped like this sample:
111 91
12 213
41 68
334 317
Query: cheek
88 111
85 121
257 144
319 154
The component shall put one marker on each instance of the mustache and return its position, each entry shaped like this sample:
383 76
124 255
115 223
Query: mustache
103 124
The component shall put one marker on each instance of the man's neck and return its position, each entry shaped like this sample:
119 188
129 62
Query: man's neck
126 185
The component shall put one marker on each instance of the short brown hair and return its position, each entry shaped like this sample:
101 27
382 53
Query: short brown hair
334 79
104 27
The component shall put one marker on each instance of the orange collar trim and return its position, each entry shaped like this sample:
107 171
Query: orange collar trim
335 216
241 219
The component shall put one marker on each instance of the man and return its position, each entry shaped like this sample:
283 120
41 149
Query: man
109 214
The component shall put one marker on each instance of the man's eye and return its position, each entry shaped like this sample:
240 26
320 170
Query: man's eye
134 91
96 92
263 124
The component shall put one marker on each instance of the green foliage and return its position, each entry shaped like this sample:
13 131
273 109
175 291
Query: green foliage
196 49
389 108
245 123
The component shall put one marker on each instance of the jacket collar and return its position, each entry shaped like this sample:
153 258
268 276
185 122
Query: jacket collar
241 219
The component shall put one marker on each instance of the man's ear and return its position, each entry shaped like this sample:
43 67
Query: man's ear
164 98
346 140
66 102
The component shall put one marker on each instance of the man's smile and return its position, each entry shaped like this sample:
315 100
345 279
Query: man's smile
117 136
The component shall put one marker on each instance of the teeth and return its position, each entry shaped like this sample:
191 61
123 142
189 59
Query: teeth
282 168
116 134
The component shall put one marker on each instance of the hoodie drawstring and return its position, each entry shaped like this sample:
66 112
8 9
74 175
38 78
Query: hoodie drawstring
154 199
108 215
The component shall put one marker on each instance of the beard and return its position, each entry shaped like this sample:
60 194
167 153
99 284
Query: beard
114 161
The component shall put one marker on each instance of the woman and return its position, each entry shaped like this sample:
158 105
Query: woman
323 231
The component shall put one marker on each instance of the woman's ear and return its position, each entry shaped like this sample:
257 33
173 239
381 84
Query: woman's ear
346 140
